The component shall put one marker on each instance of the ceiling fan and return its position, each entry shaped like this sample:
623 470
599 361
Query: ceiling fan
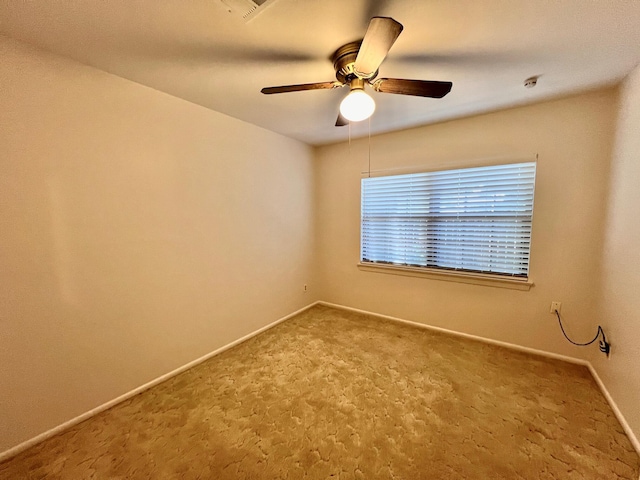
357 63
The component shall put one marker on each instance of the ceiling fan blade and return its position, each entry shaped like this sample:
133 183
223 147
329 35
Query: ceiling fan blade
341 121
419 88
301 87
380 37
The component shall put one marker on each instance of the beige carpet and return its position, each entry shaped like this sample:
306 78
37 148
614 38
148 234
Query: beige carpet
332 394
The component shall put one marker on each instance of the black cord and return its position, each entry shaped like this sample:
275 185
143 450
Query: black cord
600 331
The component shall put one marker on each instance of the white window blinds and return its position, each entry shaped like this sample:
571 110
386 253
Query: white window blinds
473 219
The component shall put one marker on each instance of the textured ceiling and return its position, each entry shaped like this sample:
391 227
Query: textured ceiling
198 51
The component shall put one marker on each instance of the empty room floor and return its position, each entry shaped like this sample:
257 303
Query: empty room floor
335 394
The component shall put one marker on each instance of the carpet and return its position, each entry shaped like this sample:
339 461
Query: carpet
335 394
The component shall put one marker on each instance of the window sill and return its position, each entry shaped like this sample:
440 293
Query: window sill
449 276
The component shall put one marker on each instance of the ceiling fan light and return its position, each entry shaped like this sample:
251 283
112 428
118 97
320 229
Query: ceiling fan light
357 106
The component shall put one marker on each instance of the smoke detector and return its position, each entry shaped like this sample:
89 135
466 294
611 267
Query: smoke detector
247 9
531 82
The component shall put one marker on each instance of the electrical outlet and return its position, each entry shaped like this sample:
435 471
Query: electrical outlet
555 307
305 287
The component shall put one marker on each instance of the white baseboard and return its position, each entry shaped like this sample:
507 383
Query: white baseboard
614 406
490 341
625 425
105 406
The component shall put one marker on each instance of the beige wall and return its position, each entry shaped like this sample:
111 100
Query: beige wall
138 232
573 138
620 300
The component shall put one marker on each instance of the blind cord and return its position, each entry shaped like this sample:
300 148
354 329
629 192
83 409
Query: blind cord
605 346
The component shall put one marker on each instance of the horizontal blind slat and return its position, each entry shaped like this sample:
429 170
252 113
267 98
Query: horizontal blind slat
476 219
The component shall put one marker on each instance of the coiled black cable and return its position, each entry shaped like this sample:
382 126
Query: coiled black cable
576 343
605 346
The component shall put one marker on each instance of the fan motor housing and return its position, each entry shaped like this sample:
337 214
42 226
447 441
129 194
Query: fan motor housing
344 60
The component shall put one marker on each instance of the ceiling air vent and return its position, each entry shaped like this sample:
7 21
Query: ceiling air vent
246 9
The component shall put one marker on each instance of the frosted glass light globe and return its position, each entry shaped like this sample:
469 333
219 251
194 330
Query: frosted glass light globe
357 106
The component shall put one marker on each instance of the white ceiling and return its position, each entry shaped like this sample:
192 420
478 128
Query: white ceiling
196 50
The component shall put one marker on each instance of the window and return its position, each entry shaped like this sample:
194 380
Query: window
470 220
